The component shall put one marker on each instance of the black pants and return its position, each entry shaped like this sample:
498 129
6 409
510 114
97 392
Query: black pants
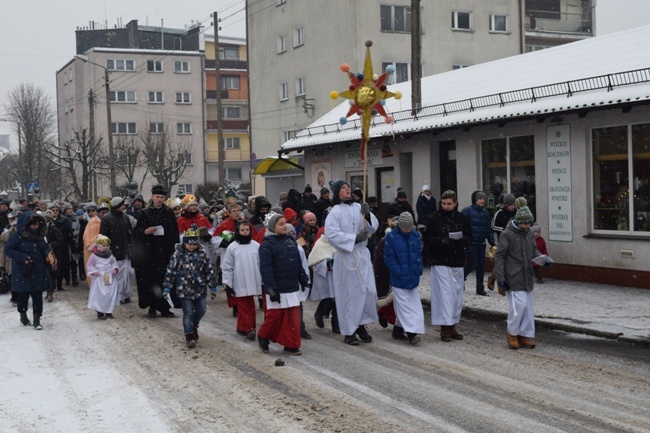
23 302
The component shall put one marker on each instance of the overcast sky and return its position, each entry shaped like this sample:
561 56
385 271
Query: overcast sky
37 37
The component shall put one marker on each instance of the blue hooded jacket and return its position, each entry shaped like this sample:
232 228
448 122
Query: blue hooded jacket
24 243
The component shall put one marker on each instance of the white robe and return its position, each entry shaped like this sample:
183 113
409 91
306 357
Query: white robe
354 279
323 284
303 294
408 309
521 313
102 297
241 269
446 295
123 279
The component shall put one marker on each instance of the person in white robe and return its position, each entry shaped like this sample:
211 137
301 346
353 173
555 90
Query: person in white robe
346 229
102 268
304 292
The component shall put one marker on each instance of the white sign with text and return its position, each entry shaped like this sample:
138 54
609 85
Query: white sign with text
352 159
558 154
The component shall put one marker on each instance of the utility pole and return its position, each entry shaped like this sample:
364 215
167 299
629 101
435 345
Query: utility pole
111 152
221 151
21 170
91 128
416 51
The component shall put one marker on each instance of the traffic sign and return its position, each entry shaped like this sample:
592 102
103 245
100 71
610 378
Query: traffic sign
32 188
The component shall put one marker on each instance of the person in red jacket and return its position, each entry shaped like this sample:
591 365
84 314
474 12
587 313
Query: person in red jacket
191 215
541 247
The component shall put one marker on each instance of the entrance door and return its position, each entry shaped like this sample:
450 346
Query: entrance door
386 189
448 166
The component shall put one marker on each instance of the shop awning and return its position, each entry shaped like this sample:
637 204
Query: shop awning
273 164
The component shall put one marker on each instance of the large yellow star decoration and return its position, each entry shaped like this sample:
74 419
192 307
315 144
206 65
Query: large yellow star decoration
367 94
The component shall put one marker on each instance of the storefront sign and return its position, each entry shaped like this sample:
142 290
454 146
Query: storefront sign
352 159
558 154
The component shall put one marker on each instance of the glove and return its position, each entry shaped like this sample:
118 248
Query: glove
206 238
228 290
224 243
547 265
213 293
361 236
501 285
330 264
273 295
304 286
166 292
365 209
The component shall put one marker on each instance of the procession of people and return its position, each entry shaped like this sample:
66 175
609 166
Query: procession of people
334 250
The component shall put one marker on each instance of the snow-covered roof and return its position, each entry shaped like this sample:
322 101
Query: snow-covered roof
605 70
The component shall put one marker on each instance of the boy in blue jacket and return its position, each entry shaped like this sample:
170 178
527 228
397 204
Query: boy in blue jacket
479 220
403 257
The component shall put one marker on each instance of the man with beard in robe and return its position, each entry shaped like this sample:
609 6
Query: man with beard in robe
354 282
447 233
153 249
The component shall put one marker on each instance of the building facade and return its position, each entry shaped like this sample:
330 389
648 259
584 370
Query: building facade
296 48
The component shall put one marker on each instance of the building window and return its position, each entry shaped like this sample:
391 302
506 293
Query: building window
282 44
156 97
156 128
120 65
498 23
184 188
395 18
545 9
181 67
300 86
461 20
124 128
183 98
188 158
621 178
284 91
402 72
154 66
228 53
509 167
454 67
183 128
298 37
233 173
230 112
122 96
232 142
286 136
229 83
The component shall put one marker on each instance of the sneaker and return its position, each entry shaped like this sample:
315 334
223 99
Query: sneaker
383 322
109 315
398 333
167 314
251 335
294 352
304 334
101 316
190 339
540 280
351 340
263 343
481 292
362 332
414 339
242 333
525 343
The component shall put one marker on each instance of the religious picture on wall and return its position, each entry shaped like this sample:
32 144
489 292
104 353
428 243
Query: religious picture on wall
321 173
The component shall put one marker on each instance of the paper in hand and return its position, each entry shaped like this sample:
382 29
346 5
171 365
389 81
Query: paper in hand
160 231
168 298
542 260
455 235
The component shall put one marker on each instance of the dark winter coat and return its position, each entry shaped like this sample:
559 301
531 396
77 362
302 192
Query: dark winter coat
117 226
440 249
382 274
308 202
4 219
280 264
63 224
319 208
22 244
500 220
258 217
397 207
403 257
294 201
153 252
425 208
479 220
513 259
55 240
190 273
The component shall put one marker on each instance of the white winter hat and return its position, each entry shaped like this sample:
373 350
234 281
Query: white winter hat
426 188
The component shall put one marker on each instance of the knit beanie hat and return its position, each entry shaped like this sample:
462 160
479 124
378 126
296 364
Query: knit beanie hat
401 193
405 220
358 193
307 216
271 220
523 215
536 228
336 188
508 200
290 214
324 190
476 195
307 188
117 202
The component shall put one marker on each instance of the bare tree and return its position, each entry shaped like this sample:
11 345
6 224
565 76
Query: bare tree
79 155
130 158
165 155
30 109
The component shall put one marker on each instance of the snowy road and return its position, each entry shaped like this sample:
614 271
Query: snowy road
134 374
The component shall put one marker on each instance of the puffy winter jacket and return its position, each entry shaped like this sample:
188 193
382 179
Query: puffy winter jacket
479 220
23 243
403 257
441 250
280 264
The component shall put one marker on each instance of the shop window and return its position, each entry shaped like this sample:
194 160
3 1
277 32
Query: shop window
509 167
621 178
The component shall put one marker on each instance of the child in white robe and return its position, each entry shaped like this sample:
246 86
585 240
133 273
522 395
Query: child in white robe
102 268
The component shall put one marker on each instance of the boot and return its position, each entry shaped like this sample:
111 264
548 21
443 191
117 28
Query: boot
351 340
414 339
235 311
444 333
491 281
525 343
480 290
152 312
513 341
24 319
196 332
362 332
398 333
190 339
37 322
335 325
49 296
318 315
264 344
453 333
75 282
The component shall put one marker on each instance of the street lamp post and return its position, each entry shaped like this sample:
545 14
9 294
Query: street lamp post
111 152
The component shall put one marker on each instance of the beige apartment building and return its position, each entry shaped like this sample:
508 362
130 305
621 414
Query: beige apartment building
296 48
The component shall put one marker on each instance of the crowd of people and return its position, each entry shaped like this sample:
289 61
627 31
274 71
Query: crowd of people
331 249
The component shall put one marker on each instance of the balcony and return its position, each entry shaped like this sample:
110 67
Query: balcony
231 95
229 125
228 64
558 22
